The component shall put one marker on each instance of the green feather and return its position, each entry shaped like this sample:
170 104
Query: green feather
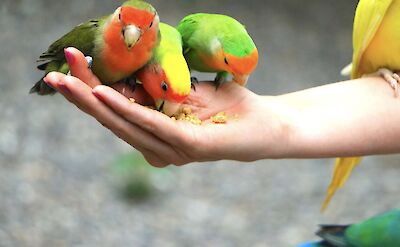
82 37
198 31
168 61
382 230
379 231
171 41
140 4
88 38
205 34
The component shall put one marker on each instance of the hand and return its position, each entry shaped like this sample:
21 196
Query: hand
162 140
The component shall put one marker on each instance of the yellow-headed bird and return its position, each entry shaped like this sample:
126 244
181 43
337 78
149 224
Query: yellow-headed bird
376 51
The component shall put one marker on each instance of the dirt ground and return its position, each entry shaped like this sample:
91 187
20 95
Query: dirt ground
57 186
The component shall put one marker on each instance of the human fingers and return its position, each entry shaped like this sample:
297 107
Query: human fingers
138 94
81 95
154 122
79 67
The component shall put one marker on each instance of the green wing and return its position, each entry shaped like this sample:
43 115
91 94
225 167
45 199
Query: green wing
382 230
197 39
187 28
81 37
379 231
200 30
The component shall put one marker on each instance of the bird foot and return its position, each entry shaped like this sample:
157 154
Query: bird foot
89 61
396 85
392 78
219 79
193 81
217 84
131 82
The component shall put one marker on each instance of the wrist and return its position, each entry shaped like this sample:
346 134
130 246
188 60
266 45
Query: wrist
274 128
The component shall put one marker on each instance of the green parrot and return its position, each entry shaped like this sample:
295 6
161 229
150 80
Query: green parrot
218 43
379 231
166 77
119 44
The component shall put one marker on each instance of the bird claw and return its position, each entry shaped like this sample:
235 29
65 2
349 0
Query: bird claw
193 81
217 84
219 79
89 61
396 85
131 82
392 78
193 86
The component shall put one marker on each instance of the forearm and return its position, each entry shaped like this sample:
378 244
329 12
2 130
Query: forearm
358 117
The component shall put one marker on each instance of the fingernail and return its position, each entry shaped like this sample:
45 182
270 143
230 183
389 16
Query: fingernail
69 56
95 93
45 80
64 89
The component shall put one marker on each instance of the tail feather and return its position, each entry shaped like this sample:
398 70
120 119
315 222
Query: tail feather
342 172
315 244
42 88
333 235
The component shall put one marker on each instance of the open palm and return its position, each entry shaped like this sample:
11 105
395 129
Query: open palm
162 140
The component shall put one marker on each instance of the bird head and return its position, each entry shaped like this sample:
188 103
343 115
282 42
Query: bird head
167 81
135 18
241 67
235 54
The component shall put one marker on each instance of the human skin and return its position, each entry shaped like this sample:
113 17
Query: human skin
350 118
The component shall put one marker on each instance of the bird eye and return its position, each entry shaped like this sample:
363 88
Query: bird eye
164 86
119 16
226 61
151 24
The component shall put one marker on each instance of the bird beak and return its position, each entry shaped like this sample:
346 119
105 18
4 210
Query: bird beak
159 104
241 79
167 107
131 35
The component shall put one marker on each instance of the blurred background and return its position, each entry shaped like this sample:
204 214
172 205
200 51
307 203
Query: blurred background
67 181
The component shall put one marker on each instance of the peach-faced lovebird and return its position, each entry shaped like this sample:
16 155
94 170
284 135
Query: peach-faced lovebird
218 43
380 231
119 44
166 77
376 49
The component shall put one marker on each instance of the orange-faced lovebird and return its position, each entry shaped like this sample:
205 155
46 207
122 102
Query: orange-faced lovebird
166 78
119 44
218 43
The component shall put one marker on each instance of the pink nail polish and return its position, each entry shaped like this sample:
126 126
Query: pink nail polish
95 93
48 81
45 80
64 89
69 56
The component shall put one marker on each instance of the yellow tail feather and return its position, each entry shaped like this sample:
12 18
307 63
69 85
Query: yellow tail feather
342 171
